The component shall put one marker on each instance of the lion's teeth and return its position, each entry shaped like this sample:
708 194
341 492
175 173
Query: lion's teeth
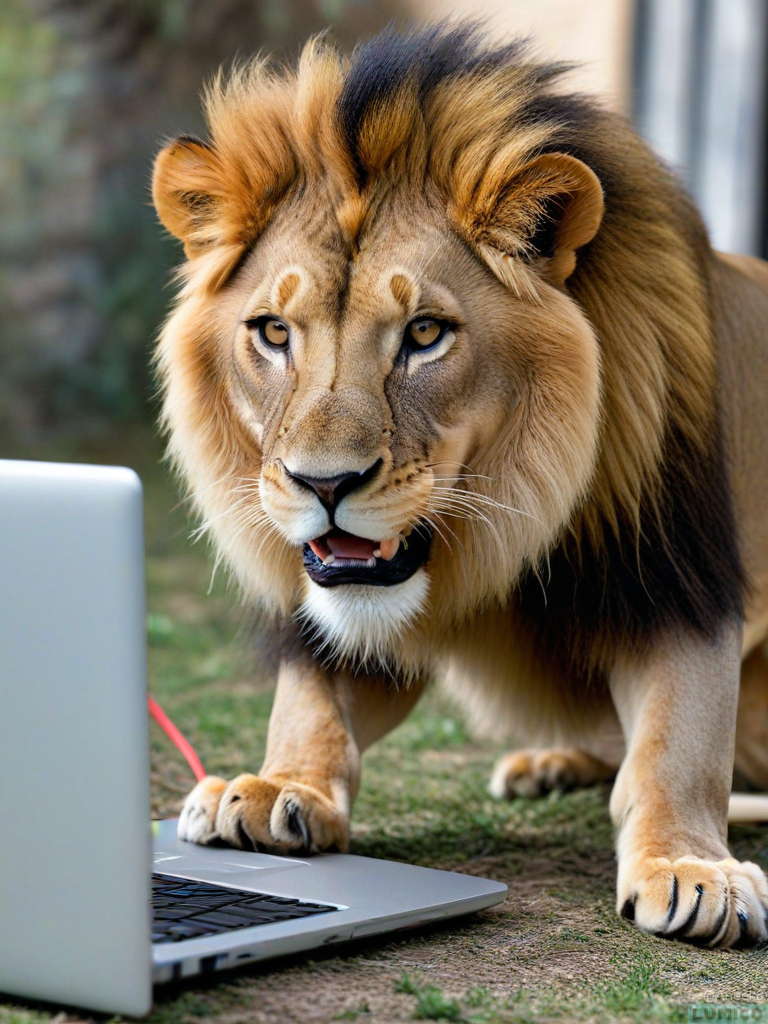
329 560
377 552
388 548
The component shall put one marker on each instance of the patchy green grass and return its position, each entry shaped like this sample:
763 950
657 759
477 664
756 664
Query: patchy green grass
431 1004
555 951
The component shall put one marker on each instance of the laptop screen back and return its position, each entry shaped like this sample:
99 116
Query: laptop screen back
74 760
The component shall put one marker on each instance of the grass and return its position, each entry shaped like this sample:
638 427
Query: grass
431 1004
554 952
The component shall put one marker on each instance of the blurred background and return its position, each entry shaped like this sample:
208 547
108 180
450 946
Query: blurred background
90 88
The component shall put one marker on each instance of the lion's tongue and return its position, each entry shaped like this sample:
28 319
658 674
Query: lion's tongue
345 545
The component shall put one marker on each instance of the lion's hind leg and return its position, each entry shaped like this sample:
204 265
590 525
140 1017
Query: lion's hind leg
533 773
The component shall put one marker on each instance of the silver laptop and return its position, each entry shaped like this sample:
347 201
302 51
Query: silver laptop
78 857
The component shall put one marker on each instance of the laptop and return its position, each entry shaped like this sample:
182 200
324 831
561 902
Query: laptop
97 903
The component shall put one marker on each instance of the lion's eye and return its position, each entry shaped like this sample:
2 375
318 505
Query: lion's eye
424 333
272 332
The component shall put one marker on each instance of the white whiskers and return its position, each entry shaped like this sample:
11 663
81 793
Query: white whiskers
246 513
479 510
474 497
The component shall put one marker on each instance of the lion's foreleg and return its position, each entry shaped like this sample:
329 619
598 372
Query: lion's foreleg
321 722
670 802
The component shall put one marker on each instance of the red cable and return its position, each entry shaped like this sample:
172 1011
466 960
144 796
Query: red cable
177 737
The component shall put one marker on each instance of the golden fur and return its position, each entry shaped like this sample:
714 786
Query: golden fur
576 442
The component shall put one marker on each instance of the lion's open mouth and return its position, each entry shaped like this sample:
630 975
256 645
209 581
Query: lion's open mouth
340 557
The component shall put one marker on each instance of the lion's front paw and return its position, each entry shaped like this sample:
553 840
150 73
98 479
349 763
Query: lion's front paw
279 816
714 903
532 773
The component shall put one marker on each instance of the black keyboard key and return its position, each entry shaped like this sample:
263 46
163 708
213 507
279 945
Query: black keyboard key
207 904
252 915
282 901
220 920
173 915
179 930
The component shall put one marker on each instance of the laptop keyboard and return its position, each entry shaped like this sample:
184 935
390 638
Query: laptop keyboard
186 909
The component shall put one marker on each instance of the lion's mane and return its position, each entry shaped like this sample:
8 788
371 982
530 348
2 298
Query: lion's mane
652 544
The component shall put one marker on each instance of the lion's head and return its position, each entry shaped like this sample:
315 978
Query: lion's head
385 385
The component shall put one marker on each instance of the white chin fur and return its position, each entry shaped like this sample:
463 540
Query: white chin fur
364 623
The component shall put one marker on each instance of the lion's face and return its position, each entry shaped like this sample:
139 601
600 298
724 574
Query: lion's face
384 423
370 385
402 403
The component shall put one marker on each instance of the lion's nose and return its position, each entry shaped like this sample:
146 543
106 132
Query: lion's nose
331 489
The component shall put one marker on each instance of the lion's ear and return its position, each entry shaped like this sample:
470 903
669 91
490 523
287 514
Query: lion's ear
539 215
186 190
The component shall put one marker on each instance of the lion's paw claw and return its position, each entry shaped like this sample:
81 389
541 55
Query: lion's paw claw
712 903
262 815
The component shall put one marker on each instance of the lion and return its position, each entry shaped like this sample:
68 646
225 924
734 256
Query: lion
461 390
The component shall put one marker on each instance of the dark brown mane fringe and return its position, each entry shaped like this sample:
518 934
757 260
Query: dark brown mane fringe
683 570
